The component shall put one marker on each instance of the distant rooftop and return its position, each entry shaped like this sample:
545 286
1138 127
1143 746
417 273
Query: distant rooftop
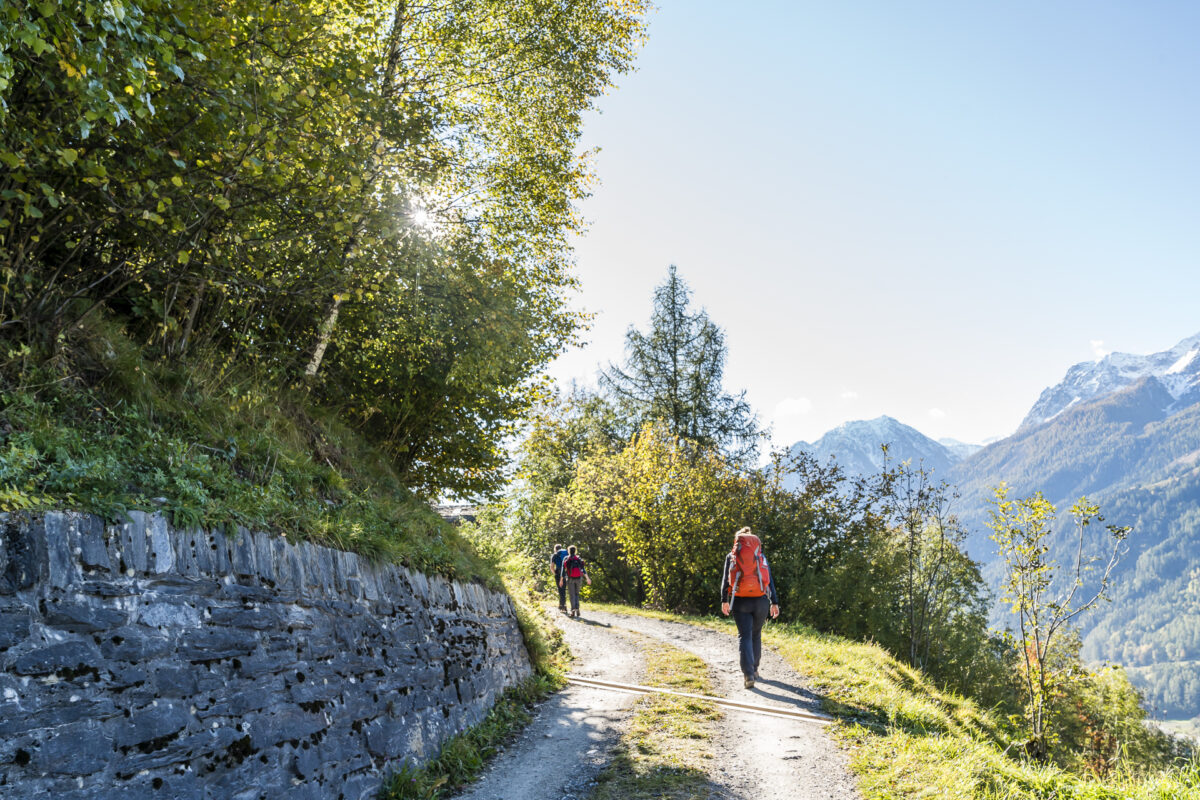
456 512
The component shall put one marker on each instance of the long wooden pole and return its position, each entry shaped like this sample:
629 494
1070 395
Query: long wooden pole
774 711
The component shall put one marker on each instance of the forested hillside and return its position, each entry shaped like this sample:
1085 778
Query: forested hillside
1137 456
1153 623
240 239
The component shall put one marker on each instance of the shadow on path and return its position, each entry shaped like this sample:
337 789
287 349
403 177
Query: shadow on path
789 693
759 757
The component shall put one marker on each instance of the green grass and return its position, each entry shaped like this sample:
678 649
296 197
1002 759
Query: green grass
548 651
464 756
909 739
667 749
104 430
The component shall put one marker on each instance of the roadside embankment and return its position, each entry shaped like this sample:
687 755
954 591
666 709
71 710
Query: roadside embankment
137 657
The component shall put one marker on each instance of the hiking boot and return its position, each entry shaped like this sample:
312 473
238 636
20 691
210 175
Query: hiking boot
749 681
563 609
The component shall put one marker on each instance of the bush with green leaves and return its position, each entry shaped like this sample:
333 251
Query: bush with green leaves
374 198
211 450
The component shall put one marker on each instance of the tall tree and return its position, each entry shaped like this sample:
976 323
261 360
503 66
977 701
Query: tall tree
375 195
935 579
1034 589
673 375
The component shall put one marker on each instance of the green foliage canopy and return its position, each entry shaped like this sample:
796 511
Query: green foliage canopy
876 558
376 194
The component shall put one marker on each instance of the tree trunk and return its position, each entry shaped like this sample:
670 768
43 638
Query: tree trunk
323 337
387 89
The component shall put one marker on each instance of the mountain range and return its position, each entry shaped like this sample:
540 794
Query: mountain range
857 446
1124 431
1177 370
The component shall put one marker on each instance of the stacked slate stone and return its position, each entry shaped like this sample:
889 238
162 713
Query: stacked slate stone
139 660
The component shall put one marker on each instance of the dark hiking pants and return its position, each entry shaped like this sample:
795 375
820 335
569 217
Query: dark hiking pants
573 585
562 590
749 614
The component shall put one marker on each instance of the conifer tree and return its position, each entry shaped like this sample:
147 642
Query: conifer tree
673 375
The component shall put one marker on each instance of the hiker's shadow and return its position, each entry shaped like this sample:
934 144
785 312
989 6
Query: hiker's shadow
810 700
593 623
795 695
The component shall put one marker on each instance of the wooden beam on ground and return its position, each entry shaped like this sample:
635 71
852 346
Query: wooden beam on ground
774 711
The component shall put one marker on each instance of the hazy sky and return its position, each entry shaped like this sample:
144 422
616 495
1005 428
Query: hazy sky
923 209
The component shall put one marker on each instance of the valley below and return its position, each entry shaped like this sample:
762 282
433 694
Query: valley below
1124 432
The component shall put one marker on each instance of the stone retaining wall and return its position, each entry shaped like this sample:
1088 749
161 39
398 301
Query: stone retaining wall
141 661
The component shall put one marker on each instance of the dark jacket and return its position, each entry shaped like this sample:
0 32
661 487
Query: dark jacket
725 587
557 560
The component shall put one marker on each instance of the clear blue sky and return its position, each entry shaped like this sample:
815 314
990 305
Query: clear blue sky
927 209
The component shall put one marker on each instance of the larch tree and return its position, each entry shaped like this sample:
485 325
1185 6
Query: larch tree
673 375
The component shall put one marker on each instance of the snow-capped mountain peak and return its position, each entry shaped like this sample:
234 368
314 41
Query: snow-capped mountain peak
1177 369
1187 358
855 445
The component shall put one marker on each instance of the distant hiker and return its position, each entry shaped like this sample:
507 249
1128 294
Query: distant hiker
574 573
560 555
749 592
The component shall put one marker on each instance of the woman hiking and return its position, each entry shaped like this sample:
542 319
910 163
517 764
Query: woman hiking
574 573
748 591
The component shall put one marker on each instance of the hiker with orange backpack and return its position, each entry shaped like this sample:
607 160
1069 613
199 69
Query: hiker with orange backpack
748 591
574 573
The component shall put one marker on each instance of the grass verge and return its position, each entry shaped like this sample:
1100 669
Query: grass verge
908 739
667 749
464 756
548 650
106 431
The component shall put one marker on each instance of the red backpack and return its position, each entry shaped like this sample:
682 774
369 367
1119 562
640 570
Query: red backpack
573 566
748 572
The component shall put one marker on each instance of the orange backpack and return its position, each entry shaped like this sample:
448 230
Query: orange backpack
748 573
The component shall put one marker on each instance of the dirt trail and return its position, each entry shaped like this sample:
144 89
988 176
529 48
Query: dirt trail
757 757
569 740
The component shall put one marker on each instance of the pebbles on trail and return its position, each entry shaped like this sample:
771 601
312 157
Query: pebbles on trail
758 757
567 744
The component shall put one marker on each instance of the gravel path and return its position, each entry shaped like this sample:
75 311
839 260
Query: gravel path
757 757
568 742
